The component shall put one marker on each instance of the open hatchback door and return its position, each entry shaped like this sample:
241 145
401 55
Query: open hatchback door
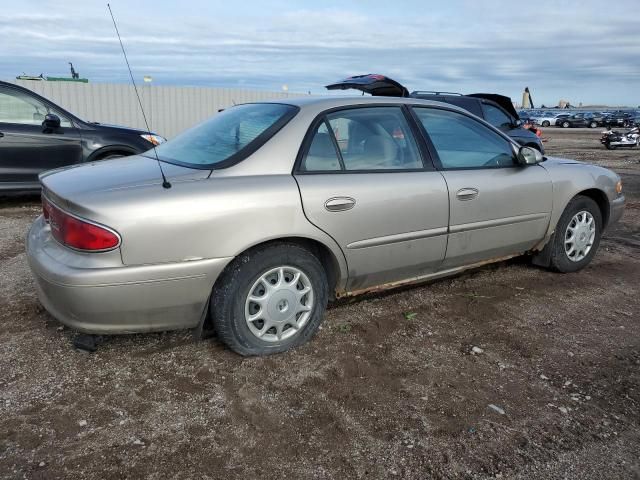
373 84
504 102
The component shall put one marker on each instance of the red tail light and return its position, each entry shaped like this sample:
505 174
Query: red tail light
76 233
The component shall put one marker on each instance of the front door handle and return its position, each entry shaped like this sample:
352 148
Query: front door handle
339 204
465 194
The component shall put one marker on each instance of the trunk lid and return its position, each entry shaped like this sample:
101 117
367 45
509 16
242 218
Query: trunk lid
374 84
118 174
81 188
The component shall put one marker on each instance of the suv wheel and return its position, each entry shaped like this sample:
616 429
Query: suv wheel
577 235
269 300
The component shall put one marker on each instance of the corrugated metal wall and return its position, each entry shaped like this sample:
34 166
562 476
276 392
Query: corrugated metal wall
170 110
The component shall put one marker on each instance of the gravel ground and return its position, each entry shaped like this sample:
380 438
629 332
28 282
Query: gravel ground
552 393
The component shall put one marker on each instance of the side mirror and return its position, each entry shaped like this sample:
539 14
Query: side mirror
529 156
51 122
518 123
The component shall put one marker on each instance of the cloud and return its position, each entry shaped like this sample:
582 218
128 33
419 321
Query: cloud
575 50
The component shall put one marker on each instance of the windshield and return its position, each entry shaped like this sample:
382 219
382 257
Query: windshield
228 137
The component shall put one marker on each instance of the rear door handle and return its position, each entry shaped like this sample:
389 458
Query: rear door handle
465 194
339 204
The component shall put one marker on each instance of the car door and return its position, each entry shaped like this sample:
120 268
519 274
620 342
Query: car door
362 180
497 207
26 147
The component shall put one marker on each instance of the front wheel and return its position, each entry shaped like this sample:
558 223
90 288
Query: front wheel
546 123
577 235
609 146
269 299
566 124
593 124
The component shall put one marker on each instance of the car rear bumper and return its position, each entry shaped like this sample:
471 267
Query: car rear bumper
119 299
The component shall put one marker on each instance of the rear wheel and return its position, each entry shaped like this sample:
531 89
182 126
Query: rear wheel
566 124
269 299
593 124
609 146
577 235
546 123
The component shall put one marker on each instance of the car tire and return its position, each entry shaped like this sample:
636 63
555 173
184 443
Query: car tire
573 230
609 146
546 123
241 293
566 124
593 124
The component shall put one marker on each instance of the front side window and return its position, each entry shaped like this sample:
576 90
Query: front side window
496 117
18 107
368 139
227 137
462 142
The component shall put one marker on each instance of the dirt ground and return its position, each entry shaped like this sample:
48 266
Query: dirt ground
389 388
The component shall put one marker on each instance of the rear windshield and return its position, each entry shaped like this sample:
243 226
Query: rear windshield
228 137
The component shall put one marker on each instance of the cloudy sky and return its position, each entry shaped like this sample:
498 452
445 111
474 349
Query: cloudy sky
585 51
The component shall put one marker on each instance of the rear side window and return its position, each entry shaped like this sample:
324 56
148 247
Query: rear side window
228 137
496 117
322 155
367 139
462 142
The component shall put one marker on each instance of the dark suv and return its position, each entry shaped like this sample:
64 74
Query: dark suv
494 109
38 135
619 119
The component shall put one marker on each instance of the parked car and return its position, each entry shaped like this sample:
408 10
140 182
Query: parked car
496 109
575 121
596 119
619 119
549 119
273 208
38 135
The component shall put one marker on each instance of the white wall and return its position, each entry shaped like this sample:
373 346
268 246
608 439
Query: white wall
169 110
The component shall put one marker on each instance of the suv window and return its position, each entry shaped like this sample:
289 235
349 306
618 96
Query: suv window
374 138
462 142
18 107
496 117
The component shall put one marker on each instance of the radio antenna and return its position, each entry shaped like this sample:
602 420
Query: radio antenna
165 182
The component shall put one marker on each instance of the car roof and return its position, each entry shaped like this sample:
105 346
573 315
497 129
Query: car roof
326 102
